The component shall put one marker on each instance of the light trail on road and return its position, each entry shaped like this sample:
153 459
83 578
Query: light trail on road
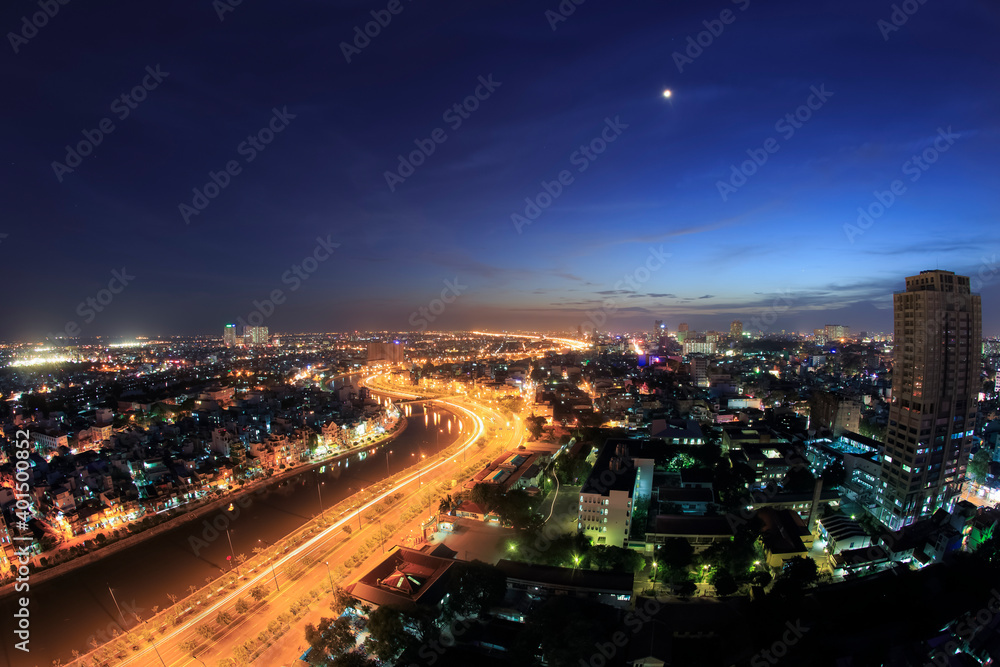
149 655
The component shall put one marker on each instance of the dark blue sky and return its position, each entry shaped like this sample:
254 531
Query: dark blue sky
775 248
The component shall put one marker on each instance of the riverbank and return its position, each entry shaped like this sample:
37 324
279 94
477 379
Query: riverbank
352 507
39 576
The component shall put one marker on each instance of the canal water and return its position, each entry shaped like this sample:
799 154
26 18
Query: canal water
68 610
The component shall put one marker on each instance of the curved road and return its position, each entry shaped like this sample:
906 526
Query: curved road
167 649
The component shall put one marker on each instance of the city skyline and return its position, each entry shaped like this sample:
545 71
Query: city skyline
502 332
232 171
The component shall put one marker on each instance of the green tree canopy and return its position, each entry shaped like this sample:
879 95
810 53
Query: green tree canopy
979 465
676 553
329 639
614 558
563 631
393 630
387 635
474 588
534 425
723 582
799 573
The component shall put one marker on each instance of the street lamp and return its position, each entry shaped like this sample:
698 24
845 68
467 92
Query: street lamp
272 564
329 575
232 552
124 625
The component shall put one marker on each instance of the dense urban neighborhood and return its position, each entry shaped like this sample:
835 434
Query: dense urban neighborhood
660 497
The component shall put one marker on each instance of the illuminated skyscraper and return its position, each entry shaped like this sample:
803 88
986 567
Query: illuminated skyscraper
836 332
935 382
229 335
736 329
385 352
255 335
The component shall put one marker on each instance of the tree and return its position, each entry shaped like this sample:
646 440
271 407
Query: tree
640 516
799 572
676 553
570 469
341 600
388 636
352 659
223 617
206 631
259 592
243 653
446 504
487 496
514 508
534 425
563 630
988 551
511 405
685 587
979 465
614 559
723 582
474 588
242 606
331 637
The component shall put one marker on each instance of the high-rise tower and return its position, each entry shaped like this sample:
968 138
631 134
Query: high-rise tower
935 382
229 335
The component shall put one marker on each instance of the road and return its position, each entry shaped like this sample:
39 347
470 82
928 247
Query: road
329 545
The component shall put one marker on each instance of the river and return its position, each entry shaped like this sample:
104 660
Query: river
66 611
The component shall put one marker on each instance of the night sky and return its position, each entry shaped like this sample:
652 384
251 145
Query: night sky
785 242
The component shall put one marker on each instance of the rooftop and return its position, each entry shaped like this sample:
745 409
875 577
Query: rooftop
692 525
405 577
563 577
615 468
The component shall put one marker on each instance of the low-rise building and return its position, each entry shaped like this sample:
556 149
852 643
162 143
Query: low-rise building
842 533
610 588
767 463
405 578
677 431
621 476
510 470
700 531
688 501
784 536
